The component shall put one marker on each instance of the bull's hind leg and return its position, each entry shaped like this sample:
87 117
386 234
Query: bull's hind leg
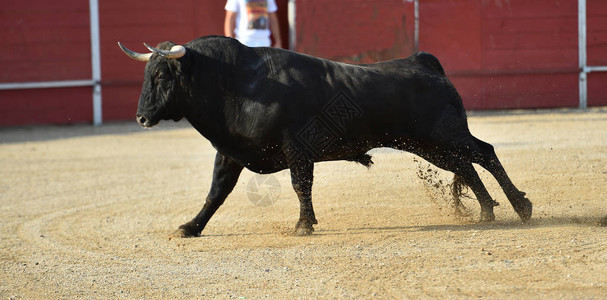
465 171
225 176
463 149
302 176
487 158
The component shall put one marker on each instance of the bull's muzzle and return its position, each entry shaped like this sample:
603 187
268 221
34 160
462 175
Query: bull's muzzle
143 121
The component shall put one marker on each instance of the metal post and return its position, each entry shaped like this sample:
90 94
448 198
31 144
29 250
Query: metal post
291 10
416 16
95 61
415 24
582 53
45 84
585 69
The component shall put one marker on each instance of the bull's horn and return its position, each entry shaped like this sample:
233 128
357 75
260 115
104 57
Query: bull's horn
134 55
176 51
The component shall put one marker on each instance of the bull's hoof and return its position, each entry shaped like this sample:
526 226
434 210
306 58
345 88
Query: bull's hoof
487 215
304 228
185 231
523 208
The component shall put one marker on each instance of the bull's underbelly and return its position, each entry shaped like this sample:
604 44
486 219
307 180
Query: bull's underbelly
266 162
340 134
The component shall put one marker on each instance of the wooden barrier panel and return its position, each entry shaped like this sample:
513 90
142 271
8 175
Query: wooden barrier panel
505 54
355 31
596 24
499 54
45 41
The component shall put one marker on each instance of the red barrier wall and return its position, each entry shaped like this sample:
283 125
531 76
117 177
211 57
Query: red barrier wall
597 50
506 54
357 31
38 39
499 54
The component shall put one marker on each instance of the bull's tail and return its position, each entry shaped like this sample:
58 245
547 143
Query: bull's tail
363 159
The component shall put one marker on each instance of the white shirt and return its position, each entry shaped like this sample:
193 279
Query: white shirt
252 21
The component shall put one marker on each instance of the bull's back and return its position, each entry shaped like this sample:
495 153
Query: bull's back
401 97
418 60
350 107
372 103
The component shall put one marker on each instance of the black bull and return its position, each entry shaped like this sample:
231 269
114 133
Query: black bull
269 109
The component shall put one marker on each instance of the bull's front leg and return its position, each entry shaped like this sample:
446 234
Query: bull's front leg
302 175
225 176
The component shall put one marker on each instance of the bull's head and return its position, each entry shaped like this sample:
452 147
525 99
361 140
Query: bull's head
161 92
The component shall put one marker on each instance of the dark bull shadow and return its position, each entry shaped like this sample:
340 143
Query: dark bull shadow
583 221
591 221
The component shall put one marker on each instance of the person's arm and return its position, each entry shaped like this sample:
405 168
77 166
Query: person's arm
229 23
275 29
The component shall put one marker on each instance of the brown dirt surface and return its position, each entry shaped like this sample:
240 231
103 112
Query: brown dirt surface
86 212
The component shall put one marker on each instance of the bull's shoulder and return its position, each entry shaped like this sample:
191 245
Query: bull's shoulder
428 60
417 63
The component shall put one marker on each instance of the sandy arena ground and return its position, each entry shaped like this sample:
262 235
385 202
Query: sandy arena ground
87 213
